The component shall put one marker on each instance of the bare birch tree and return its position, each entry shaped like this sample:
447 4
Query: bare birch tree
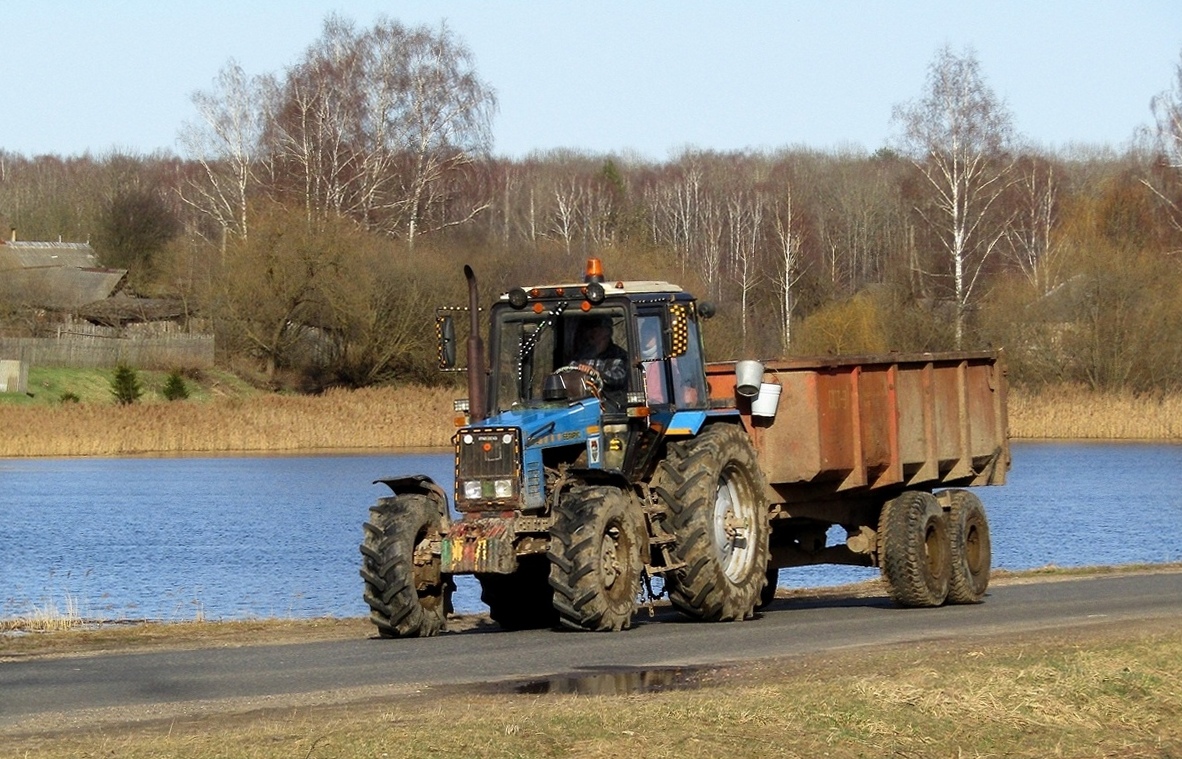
744 221
958 134
1167 113
1030 241
373 124
225 142
788 269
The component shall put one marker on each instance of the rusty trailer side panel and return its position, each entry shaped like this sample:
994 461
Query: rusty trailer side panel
879 422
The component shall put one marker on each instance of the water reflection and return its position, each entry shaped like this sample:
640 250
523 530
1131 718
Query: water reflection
233 537
617 682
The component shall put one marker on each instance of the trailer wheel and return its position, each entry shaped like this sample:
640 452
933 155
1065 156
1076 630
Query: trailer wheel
595 559
972 553
914 549
714 490
522 600
408 597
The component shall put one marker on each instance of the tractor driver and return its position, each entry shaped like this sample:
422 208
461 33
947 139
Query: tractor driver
594 349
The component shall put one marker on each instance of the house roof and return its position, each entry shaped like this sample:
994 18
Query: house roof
35 255
55 274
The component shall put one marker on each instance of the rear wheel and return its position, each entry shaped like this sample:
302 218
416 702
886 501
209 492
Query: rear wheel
914 549
408 597
972 553
595 559
714 490
768 594
522 600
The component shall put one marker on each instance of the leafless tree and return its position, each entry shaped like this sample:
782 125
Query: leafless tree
225 142
1167 113
1029 238
374 122
744 223
568 199
788 270
958 135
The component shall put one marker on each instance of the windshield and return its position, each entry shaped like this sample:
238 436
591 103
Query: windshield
529 346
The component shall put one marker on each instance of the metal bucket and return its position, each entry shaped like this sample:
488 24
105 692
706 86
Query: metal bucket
766 402
748 375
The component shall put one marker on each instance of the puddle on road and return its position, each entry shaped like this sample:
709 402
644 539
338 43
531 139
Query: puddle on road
618 682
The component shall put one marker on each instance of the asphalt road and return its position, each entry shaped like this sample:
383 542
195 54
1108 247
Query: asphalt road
787 628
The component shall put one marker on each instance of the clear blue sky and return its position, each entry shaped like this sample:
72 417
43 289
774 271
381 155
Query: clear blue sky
607 75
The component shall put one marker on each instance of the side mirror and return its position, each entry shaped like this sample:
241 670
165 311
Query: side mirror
445 330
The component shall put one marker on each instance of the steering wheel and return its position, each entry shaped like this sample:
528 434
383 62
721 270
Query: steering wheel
591 376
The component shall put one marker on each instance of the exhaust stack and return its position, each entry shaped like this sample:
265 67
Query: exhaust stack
477 404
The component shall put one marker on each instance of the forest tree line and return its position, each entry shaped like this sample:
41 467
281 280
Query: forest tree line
318 216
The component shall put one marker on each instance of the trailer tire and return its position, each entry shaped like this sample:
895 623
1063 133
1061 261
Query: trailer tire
914 550
595 559
406 599
714 491
972 553
522 600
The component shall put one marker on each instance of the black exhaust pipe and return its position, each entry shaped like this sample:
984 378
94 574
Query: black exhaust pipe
477 404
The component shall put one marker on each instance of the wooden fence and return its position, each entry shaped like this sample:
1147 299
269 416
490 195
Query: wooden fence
141 351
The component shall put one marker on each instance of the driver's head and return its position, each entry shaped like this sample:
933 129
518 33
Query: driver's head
595 332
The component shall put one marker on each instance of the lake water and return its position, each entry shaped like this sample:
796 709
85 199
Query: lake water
238 537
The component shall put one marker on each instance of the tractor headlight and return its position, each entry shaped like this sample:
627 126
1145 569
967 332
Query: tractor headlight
503 488
472 490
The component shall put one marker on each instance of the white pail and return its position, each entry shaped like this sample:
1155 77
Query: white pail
766 402
748 375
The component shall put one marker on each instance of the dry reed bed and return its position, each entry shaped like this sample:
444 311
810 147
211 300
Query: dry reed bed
417 417
376 418
1077 414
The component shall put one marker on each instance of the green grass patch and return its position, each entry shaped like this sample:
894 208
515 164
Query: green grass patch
50 386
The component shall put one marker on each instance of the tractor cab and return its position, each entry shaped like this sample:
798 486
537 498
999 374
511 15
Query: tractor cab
634 346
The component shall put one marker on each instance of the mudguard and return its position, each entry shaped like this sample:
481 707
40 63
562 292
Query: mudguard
417 483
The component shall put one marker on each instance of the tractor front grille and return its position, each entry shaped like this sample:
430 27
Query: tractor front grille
488 469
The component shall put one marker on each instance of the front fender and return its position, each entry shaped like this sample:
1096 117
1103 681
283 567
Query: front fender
418 484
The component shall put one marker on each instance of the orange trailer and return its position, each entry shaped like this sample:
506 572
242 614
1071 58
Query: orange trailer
849 436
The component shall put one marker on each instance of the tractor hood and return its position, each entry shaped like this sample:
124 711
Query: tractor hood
499 462
552 424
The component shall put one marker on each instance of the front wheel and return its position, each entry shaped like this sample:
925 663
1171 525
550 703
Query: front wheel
714 490
914 549
595 559
408 597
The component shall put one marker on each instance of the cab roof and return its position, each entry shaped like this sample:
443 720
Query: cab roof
572 289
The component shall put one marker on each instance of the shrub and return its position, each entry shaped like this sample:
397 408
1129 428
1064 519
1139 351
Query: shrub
174 388
68 397
125 385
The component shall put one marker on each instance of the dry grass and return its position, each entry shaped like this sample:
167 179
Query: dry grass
1096 691
1076 414
376 418
46 618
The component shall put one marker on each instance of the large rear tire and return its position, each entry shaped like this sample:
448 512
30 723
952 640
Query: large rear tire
768 595
595 559
714 490
408 597
522 600
972 553
914 549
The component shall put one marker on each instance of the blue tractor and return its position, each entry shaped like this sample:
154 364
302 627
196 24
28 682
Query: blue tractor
592 460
